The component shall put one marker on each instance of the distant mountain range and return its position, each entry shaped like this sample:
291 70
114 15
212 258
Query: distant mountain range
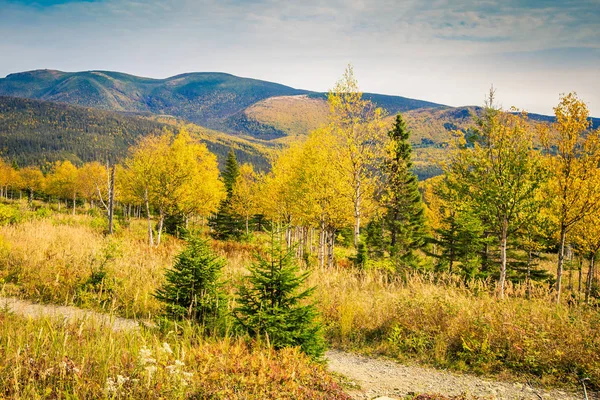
104 112
205 98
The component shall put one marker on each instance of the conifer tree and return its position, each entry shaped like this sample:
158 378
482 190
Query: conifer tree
192 289
225 224
272 303
405 218
230 173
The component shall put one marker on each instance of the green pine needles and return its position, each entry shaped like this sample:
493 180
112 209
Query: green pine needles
225 224
192 289
272 304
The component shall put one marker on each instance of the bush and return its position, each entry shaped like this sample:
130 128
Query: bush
192 289
9 215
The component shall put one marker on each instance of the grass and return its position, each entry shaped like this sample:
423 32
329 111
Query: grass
52 359
438 321
450 325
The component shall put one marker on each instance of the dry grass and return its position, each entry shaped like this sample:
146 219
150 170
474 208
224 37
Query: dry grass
451 325
51 359
65 260
441 322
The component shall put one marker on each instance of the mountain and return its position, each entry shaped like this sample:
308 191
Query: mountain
103 112
40 132
206 98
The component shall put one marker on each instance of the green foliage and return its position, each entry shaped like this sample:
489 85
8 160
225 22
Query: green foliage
272 303
362 255
463 242
225 224
230 173
9 215
404 219
192 289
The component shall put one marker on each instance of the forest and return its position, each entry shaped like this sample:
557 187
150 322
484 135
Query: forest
487 268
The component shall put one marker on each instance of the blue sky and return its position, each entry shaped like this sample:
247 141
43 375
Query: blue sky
444 51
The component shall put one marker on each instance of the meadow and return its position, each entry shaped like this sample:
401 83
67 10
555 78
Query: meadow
56 258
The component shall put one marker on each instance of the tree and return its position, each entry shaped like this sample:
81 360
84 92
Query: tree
192 289
573 156
32 180
499 175
586 234
458 233
360 131
244 198
63 181
272 303
8 177
138 176
230 173
175 175
225 224
92 182
405 218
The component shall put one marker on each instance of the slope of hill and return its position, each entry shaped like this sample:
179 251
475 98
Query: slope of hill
206 98
37 132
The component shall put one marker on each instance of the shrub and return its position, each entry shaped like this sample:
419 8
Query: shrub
9 215
192 289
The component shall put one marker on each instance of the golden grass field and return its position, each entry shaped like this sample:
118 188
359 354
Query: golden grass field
434 320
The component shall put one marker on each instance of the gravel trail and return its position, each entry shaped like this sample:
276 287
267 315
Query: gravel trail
34 310
373 378
376 378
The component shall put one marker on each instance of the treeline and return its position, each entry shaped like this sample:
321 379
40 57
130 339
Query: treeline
511 191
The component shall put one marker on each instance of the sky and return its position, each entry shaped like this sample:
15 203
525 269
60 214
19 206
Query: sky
445 51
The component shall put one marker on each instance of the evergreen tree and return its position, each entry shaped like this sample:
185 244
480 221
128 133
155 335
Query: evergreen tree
272 303
230 173
225 223
192 289
405 218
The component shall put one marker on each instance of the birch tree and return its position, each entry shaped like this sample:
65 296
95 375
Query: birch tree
573 156
359 127
63 181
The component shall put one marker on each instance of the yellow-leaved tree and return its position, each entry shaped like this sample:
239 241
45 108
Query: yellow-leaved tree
8 177
573 156
586 236
32 180
174 175
93 182
245 196
360 131
63 181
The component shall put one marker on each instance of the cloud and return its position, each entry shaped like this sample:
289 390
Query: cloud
441 50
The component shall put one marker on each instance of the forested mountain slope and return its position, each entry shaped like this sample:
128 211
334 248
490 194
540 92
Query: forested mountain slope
38 132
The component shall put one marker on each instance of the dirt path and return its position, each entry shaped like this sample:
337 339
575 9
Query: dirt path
373 377
377 378
33 310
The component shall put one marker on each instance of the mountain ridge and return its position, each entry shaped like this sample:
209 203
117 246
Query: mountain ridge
210 99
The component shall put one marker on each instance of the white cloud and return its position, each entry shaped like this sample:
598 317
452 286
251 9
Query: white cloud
445 51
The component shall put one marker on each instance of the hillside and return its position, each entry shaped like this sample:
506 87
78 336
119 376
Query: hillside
206 98
37 132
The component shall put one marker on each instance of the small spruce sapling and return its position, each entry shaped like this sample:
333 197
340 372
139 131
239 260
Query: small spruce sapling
271 303
192 289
